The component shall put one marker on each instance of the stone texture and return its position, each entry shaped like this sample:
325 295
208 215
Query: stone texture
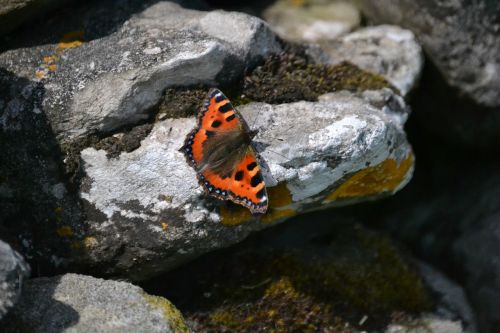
387 50
461 38
312 21
114 81
13 272
79 303
340 150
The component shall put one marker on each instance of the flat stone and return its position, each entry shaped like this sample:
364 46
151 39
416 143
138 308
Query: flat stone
387 50
80 303
342 149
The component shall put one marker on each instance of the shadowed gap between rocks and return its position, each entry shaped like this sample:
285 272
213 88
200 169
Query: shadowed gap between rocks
39 209
66 318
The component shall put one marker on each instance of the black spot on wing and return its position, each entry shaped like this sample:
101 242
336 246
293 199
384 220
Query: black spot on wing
256 180
231 117
260 194
239 175
226 107
251 166
216 123
209 133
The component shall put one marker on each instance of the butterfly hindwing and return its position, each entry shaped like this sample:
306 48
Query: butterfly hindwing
220 151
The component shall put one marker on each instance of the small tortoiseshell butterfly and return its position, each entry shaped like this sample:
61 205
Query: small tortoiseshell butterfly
220 149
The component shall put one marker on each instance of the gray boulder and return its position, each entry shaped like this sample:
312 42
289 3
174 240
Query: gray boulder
13 272
79 303
461 38
147 209
387 50
114 81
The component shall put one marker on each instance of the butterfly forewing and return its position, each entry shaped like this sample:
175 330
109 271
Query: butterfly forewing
220 151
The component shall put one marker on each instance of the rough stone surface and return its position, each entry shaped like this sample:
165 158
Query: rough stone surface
114 81
342 149
312 21
79 303
13 272
386 50
461 38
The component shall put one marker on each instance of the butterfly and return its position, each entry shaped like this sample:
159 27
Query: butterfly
220 150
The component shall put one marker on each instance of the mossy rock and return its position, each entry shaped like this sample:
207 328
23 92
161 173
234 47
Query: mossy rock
328 286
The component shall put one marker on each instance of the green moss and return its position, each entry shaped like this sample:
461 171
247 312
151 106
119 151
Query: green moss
356 273
170 312
290 77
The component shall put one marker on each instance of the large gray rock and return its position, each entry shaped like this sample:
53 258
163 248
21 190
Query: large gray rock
141 211
461 38
113 81
13 272
148 213
387 50
79 303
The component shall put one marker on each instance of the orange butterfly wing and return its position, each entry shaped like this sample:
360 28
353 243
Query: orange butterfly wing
245 186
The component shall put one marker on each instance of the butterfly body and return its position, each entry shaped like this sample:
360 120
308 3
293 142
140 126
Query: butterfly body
220 150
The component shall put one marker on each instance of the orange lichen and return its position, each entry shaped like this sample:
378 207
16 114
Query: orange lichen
70 40
65 231
40 74
383 177
279 197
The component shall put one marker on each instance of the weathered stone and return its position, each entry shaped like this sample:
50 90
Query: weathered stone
461 38
79 303
312 21
114 81
13 272
386 50
343 149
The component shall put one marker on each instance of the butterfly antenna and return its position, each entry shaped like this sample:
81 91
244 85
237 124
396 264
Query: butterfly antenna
272 151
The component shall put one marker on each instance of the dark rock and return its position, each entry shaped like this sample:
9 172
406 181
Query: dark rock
461 38
13 273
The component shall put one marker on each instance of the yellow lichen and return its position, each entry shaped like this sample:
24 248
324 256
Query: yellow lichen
170 312
68 41
40 74
89 241
383 177
279 197
164 226
65 231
